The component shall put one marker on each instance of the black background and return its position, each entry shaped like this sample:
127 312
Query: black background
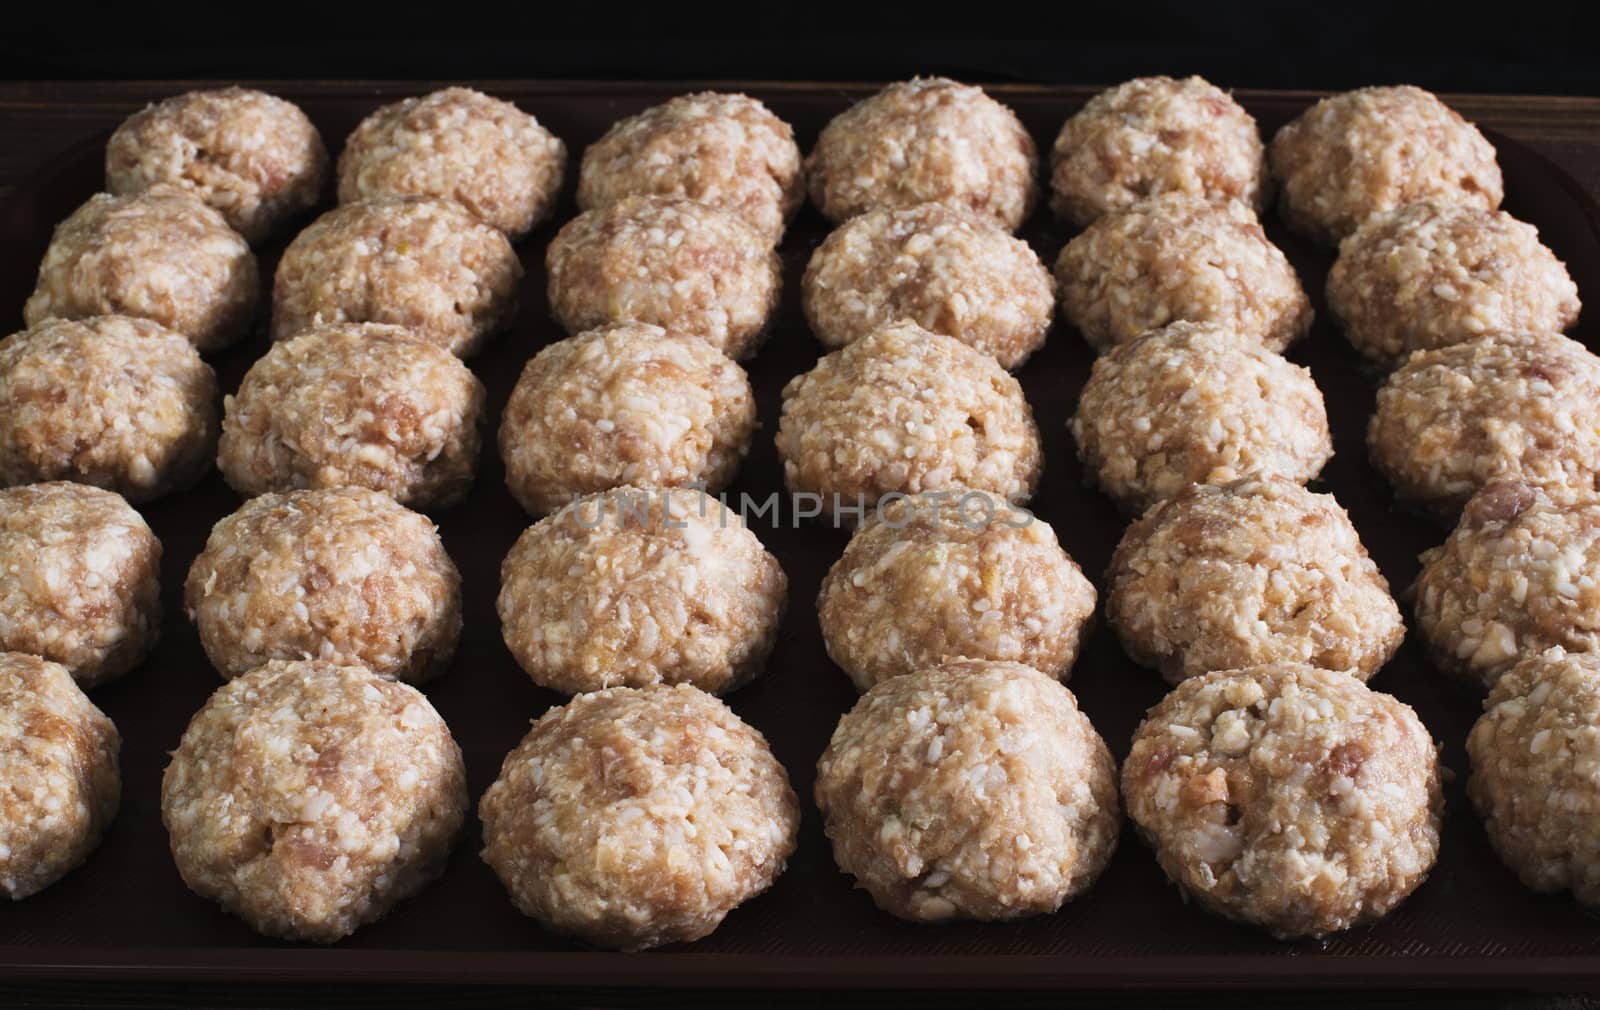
1533 48
1522 47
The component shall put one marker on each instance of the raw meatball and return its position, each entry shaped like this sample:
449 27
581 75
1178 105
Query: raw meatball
309 798
904 410
58 760
1367 151
1180 257
1431 274
253 156
1535 753
81 579
355 404
1286 796
1520 574
457 144
1196 403
635 817
938 265
160 255
113 401
927 139
624 404
971 790
1155 135
1451 419
639 586
942 576
725 150
1252 572
344 575
412 262
687 266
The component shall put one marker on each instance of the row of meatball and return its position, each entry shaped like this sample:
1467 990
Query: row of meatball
309 798
1218 576
259 161
1348 157
906 411
348 575
639 585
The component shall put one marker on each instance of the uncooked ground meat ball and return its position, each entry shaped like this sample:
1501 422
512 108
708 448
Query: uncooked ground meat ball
1286 796
419 263
638 586
309 798
624 404
81 579
726 150
905 410
457 144
1453 418
942 267
1521 573
1180 257
355 404
970 790
937 577
58 760
682 265
1363 152
1195 403
927 139
1155 135
635 817
253 156
160 255
1252 572
1431 274
117 402
344 575
1534 755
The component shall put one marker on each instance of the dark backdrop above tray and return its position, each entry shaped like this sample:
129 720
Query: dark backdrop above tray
126 913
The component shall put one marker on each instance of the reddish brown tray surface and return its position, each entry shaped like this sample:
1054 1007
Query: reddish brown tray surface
126 914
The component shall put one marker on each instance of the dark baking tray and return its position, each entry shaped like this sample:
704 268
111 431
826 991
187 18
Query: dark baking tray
126 914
